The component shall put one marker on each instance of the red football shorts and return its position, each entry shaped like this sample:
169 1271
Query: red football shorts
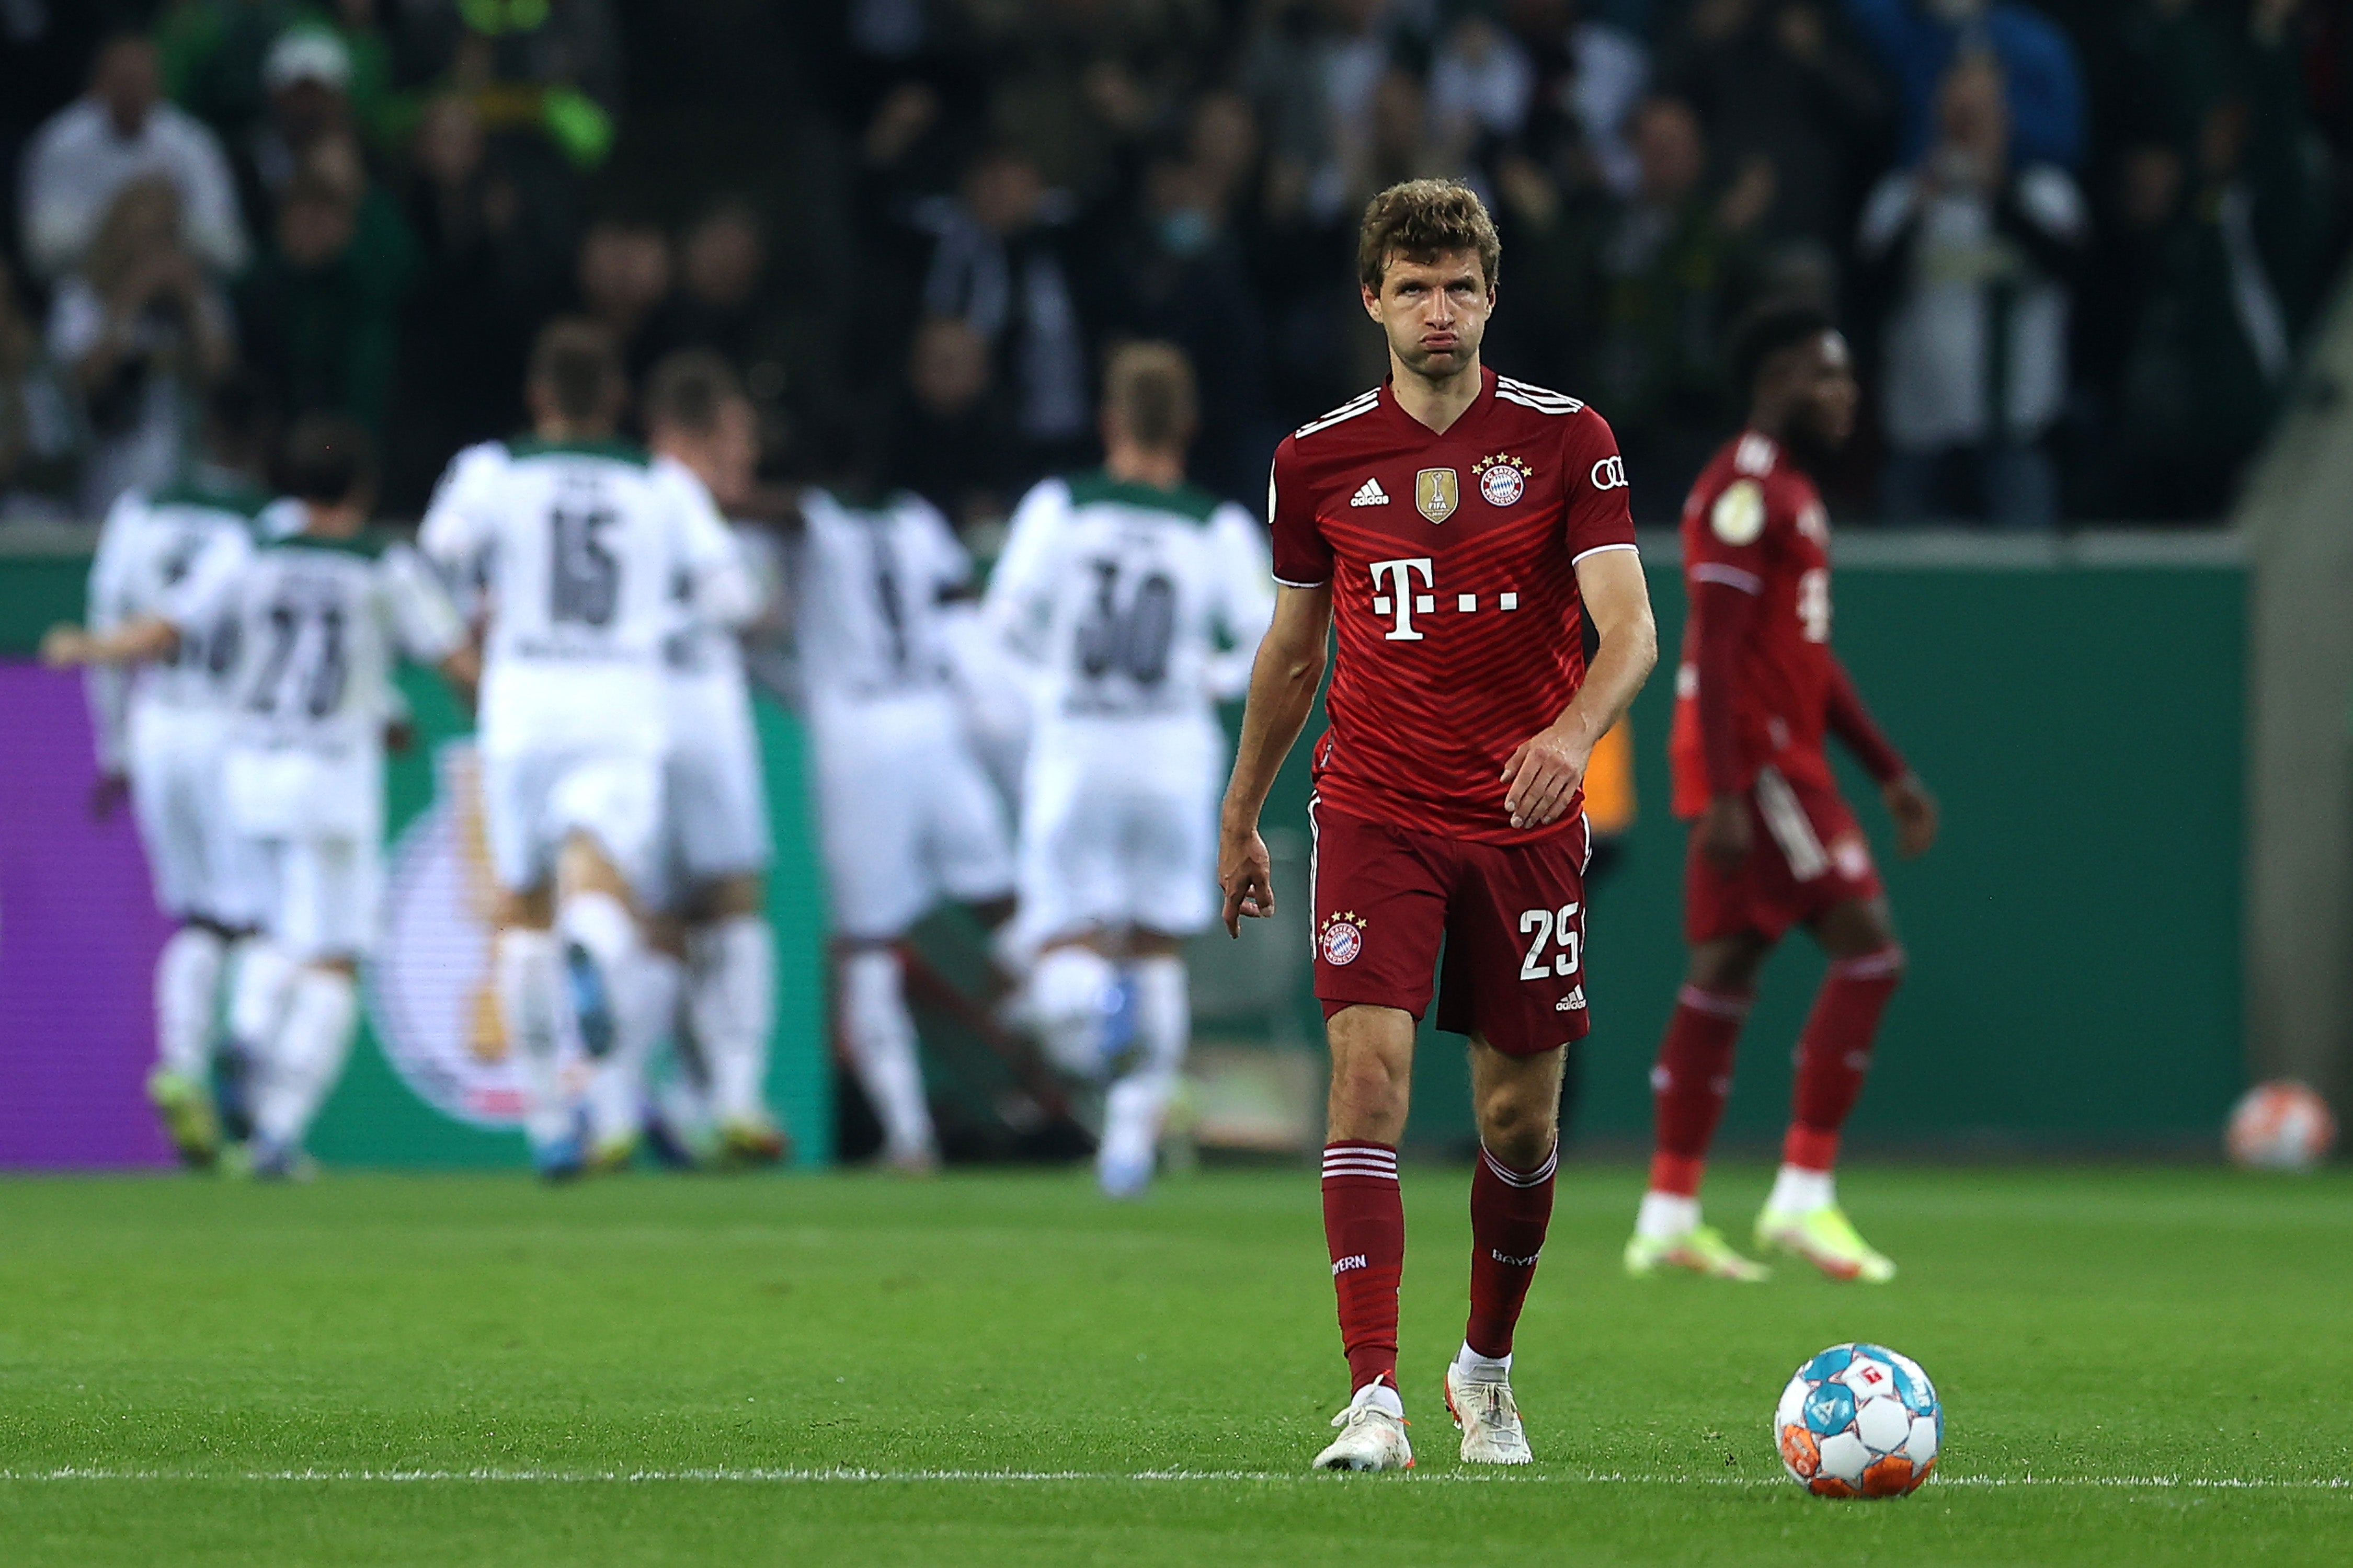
1511 921
1807 854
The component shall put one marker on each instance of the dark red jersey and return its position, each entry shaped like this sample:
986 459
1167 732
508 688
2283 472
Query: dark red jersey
1756 548
1452 563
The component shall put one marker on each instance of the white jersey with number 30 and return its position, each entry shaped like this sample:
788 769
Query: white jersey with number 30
1140 603
578 549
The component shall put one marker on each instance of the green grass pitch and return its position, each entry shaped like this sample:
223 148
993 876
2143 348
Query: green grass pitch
2139 1366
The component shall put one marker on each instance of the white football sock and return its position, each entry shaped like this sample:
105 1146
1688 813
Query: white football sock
603 924
307 1055
1136 1103
1666 1215
735 1002
187 995
1072 991
1797 1191
880 1035
646 987
530 1003
1493 1369
257 996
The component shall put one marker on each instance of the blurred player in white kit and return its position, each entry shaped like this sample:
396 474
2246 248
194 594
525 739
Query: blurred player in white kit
1144 599
308 622
579 541
906 811
715 851
160 730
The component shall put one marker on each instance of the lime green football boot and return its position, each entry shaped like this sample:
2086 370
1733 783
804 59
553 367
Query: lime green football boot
1701 1249
1826 1238
186 1108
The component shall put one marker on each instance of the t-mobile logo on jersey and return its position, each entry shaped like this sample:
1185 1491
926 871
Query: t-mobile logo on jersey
1400 599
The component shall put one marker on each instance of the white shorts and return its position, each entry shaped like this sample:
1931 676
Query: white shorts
533 800
202 866
313 818
906 814
324 896
1119 826
714 793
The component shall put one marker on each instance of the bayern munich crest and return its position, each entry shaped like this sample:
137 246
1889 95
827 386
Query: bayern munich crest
1342 938
1502 479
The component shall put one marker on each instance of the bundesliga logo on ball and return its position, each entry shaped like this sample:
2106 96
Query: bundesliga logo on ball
1859 1420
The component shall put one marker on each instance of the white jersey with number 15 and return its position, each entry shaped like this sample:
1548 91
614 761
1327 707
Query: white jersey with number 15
577 550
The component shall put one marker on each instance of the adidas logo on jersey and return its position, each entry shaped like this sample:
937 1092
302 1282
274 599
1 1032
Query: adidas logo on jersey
1369 494
1572 1002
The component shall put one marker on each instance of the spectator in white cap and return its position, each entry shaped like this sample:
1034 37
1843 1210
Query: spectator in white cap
117 132
307 76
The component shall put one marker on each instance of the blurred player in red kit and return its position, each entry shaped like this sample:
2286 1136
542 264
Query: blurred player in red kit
1772 845
1456 526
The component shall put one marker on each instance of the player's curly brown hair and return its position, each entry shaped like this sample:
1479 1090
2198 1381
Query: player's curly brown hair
1419 219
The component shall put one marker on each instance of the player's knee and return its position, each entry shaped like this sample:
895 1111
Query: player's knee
1517 1126
1886 964
1728 966
1370 1083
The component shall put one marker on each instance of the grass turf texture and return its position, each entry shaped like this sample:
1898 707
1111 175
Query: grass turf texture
394 1370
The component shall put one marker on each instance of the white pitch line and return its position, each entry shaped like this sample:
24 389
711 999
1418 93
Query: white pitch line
813 1476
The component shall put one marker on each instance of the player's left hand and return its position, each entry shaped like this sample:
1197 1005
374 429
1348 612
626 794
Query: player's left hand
1915 814
62 647
1540 778
107 795
1246 873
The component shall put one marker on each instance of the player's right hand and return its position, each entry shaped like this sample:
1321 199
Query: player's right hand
1725 833
1247 874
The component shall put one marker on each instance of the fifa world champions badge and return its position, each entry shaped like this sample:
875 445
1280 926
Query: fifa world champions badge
1503 480
1343 937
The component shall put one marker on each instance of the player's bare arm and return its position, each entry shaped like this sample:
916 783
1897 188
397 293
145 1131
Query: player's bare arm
1283 680
1542 776
142 641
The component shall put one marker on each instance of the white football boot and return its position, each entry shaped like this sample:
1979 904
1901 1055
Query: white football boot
1488 1417
1372 1436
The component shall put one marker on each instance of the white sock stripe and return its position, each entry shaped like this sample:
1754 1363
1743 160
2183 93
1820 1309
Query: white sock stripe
1713 1003
1871 965
1509 1177
1333 1161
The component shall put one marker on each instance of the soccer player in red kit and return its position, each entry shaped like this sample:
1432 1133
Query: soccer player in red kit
1455 527
1772 846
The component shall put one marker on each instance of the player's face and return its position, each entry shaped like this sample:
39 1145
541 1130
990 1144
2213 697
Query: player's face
1828 392
1434 312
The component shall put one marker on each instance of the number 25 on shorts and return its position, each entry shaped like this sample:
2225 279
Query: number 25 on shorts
1551 928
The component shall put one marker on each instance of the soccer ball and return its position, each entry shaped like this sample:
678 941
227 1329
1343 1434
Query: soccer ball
1859 1421
2281 1126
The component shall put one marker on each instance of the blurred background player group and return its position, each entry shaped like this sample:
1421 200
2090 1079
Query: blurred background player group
622 776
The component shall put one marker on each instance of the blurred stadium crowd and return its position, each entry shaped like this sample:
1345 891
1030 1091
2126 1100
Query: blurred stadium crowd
2078 241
